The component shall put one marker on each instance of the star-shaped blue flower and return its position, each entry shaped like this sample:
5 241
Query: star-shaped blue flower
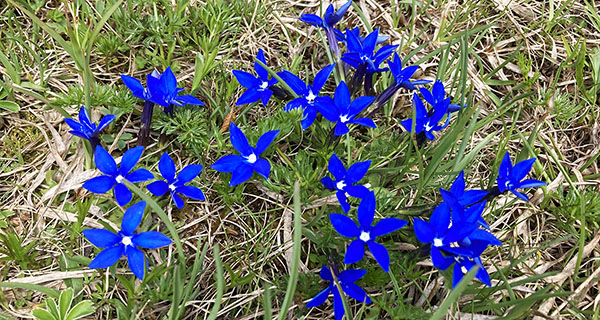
402 76
126 242
366 234
257 87
465 197
423 121
344 111
437 97
114 176
330 19
86 129
136 87
247 162
176 185
346 279
308 95
164 91
363 52
511 177
345 180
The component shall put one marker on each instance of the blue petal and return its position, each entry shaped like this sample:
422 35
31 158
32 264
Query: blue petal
249 96
310 114
420 111
341 196
265 96
189 99
328 109
457 275
105 162
130 159
246 79
75 125
427 96
312 19
504 171
241 174
351 275
321 78
338 304
262 72
344 225
358 191
458 186
520 195
101 238
134 85
177 199
386 226
191 192
407 124
227 163
319 298
328 183
299 102
366 211
336 167
122 194
325 273
294 82
166 166
132 217
151 240
107 257
342 97
381 255
262 167
471 196
168 80
136 262
423 231
439 261
341 129
357 171
157 92
264 141
99 184
139 175
356 293
189 173
84 119
440 218
106 120
355 252
238 140
158 188
364 122
531 183
480 234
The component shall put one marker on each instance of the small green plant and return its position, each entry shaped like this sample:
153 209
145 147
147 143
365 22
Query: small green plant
64 311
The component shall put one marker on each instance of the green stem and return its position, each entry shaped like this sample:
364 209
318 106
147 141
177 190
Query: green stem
347 310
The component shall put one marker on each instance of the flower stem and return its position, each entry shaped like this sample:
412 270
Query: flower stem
145 123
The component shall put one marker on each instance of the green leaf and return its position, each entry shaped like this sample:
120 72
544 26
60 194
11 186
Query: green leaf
9 106
64 302
42 314
454 295
82 309
28 286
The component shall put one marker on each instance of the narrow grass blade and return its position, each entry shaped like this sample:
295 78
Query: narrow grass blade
440 313
220 284
28 286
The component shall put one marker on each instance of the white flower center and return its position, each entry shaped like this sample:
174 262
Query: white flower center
344 118
364 236
340 185
264 85
251 158
119 178
126 241
172 187
437 242
428 127
310 97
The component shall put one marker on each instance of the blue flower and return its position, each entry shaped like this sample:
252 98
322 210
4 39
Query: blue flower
114 176
136 87
509 176
468 197
258 87
309 95
346 279
242 166
356 31
126 242
345 180
437 97
164 91
86 129
363 52
330 19
402 76
176 185
344 111
366 234
423 121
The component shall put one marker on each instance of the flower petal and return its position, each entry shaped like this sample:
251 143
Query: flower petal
341 129
104 161
355 252
439 261
327 108
359 104
338 304
342 97
294 82
336 167
139 175
357 171
319 298
260 70
381 255
101 238
132 217
241 174
166 166
344 225
531 183
189 173
136 262
328 183
262 167
341 196
151 240
191 192
106 120
238 140
357 191
246 79
386 226
366 211
364 122
227 163
356 293
189 99
130 159
134 85
423 231
107 257
321 78
249 96
521 169
351 275
265 96
440 218
178 201
312 19
99 184
264 141
158 188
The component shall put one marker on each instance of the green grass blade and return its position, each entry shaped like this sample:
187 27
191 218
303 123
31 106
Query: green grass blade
440 313
28 286
220 284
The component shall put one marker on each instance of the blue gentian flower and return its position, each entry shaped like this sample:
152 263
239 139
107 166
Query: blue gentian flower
86 129
247 162
363 52
126 242
308 95
437 97
176 185
164 91
344 111
356 31
136 87
330 19
346 279
345 180
465 197
424 122
366 234
402 76
257 87
114 176
458 202
509 176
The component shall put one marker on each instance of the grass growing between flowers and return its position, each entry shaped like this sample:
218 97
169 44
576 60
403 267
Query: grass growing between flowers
529 72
